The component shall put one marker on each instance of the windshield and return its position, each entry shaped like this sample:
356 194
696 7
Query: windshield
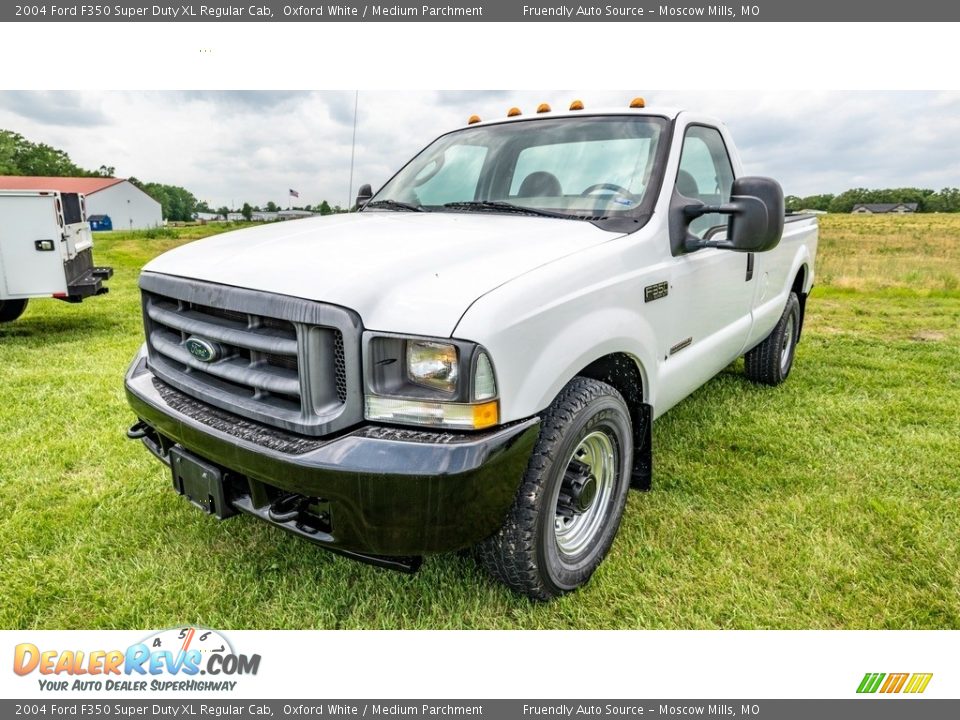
590 168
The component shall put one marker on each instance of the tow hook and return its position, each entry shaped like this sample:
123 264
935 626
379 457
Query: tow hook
138 431
287 507
296 509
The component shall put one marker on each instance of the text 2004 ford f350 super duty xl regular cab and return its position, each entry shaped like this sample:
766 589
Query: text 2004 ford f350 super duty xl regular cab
476 357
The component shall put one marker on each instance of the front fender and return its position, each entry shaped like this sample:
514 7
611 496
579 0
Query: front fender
537 353
543 328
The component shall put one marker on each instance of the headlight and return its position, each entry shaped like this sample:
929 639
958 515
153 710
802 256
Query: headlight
433 365
422 381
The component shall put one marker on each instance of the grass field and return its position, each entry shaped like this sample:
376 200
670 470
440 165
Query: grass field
829 502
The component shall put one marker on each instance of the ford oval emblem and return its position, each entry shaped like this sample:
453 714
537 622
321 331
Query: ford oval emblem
202 349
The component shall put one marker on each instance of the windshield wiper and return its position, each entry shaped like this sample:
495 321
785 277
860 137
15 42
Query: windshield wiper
501 206
395 205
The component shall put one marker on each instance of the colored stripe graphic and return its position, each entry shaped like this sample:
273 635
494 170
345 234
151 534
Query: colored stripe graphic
918 682
870 682
894 682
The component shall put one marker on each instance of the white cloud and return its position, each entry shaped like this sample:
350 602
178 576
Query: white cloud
231 147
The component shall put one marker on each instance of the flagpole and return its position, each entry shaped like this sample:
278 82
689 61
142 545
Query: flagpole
353 146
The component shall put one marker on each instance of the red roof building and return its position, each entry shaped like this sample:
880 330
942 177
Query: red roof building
127 206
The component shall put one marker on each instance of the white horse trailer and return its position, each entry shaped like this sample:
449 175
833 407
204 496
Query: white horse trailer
46 250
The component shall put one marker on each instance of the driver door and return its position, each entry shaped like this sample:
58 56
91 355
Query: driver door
714 288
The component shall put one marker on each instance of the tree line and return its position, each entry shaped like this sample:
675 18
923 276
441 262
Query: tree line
946 200
247 210
19 156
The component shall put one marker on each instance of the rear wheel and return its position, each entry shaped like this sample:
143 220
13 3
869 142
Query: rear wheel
769 362
10 310
569 506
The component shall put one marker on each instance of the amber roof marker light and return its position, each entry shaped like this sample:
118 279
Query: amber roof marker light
513 112
543 108
576 105
473 120
638 102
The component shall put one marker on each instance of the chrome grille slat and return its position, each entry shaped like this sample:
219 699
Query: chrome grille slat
285 361
263 339
234 369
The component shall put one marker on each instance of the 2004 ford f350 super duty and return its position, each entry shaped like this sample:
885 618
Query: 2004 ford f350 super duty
476 357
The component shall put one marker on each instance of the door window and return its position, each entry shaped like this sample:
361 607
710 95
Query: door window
705 174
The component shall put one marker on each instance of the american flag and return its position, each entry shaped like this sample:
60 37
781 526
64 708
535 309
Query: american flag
294 193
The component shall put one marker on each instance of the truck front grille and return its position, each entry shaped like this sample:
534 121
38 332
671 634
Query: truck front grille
278 359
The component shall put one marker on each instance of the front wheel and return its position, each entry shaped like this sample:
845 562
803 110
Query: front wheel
10 310
569 506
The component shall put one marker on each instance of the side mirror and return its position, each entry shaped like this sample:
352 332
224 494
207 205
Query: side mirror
363 195
756 211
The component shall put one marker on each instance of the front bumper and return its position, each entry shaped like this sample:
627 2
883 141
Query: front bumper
375 490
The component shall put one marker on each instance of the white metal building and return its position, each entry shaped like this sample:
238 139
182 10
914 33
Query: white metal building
127 206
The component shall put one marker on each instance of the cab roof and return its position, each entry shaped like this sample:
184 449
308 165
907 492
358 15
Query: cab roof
532 114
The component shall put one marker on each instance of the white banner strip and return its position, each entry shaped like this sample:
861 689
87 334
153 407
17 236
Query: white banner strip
490 664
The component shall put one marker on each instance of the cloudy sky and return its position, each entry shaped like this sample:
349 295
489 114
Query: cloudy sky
231 147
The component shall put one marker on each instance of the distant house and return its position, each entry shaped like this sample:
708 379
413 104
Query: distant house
207 217
235 217
128 207
883 208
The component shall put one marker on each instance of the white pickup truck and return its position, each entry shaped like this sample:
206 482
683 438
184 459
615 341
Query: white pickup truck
46 250
476 357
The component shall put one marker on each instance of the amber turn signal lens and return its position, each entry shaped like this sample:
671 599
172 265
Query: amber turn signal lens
486 415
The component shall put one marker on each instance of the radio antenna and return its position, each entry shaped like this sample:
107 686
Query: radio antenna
353 145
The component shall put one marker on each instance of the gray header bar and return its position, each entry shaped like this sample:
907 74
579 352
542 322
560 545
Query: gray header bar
873 708
633 11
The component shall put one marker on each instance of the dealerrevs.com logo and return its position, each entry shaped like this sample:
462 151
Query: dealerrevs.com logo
178 659
910 683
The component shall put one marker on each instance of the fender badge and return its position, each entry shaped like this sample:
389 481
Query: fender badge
655 292
681 345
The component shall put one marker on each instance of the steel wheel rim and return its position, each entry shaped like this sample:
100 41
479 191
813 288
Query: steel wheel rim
787 346
574 534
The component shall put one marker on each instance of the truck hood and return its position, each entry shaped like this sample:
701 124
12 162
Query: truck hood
404 272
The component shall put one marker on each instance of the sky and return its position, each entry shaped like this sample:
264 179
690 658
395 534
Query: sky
232 147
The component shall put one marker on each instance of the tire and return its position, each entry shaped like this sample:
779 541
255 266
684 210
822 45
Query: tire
554 535
10 310
769 362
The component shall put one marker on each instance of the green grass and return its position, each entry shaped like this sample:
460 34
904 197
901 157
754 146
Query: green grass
829 502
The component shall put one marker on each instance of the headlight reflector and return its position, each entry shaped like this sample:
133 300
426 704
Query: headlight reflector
484 381
433 365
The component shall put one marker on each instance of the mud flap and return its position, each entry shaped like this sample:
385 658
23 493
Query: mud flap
642 476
